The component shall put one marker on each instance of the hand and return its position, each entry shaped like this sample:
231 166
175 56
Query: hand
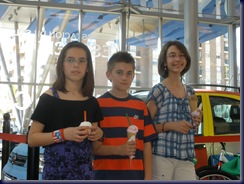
77 134
128 149
197 117
96 133
183 126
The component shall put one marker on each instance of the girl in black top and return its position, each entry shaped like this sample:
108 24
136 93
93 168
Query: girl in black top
59 112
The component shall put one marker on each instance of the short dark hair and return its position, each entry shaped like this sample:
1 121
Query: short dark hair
162 59
87 86
120 56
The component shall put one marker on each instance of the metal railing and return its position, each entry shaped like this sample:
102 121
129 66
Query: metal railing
237 89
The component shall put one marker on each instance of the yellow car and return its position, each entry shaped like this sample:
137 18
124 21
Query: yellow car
221 124
221 112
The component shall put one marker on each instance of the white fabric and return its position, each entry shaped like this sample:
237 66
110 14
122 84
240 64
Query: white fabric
172 169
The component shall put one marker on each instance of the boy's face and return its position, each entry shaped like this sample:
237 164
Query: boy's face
121 76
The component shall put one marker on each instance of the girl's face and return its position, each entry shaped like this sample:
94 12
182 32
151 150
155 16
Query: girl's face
176 60
75 64
121 76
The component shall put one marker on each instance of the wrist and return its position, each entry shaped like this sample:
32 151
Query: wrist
163 127
62 133
58 135
101 139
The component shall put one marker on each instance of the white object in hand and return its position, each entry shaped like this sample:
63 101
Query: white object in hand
87 124
197 112
131 134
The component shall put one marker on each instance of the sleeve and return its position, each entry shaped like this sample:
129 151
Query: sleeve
190 90
41 111
98 112
149 129
156 94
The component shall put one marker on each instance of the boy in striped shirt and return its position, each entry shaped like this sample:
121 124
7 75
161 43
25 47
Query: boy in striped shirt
112 159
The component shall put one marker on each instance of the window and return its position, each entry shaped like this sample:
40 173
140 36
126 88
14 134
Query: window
226 115
200 127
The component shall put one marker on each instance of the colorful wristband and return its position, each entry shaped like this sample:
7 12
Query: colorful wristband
62 133
56 135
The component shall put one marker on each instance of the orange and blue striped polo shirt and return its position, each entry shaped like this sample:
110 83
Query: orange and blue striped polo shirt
114 126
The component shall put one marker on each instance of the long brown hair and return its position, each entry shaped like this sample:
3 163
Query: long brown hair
87 86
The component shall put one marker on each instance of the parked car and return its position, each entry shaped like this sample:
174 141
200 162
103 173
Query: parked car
16 167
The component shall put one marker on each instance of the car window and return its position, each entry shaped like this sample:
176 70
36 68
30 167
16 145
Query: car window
201 125
226 115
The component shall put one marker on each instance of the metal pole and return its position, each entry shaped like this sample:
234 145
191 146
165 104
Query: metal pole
5 148
33 163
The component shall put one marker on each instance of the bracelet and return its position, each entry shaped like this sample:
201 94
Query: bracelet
62 133
163 127
101 139
57 136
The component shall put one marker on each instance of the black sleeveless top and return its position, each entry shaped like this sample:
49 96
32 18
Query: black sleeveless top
67 160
